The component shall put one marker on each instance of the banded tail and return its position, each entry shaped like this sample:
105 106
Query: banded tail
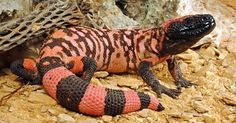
78 95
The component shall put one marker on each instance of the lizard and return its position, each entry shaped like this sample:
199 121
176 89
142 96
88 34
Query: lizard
69 58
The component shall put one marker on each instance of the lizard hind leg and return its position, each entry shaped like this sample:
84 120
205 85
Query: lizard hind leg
26 68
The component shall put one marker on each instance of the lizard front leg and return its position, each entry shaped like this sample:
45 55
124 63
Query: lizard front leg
152 81
176 73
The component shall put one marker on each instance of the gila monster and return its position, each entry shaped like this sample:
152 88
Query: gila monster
69 58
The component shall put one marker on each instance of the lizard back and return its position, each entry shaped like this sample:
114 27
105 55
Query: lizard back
115 51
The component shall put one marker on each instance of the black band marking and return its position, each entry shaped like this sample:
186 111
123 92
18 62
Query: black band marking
144 100
70 91
115 102
48 63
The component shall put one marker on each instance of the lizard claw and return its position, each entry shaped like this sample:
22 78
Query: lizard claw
184 83
173 93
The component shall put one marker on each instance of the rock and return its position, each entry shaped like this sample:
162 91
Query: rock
185 56
11 109
232 72
184 116
140 120
199 107
222 53
16 120
91 120
101 74
231 3
143 113
229 60
96 81
53 119
41 91
2 121
41 98
231 46
147 14
7 88
65 118
183 66
150 120
197 98
44 109
207 53
127 81
232 118
107 118
21 7
209 74
229 99
5 109
209 119
125 120
189 56
53 111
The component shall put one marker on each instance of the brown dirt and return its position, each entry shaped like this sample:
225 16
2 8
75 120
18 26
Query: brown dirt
213 100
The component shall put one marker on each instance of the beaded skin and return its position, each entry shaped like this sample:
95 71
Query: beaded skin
69 58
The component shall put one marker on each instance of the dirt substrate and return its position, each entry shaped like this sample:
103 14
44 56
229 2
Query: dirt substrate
212 101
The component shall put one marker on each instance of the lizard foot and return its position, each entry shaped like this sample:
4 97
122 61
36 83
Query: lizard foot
184 83
173 93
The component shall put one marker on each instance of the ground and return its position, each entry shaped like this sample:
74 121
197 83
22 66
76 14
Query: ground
212 101
211 67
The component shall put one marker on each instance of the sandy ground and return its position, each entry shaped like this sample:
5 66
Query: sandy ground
212 101
209 66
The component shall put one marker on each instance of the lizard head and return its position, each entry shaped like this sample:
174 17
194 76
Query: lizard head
182 33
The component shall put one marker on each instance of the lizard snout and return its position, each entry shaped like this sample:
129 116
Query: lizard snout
190 27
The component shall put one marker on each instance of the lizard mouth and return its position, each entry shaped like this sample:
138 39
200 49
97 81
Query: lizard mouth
194 27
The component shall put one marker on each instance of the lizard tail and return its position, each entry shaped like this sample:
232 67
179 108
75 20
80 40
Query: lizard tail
77 95
26 68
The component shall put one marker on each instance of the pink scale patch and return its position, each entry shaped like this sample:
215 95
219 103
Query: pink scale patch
73 29
153 103
81 33
65 45
90 43
52 77
127 40
128 32
99 32
132 101
84 30
93 101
